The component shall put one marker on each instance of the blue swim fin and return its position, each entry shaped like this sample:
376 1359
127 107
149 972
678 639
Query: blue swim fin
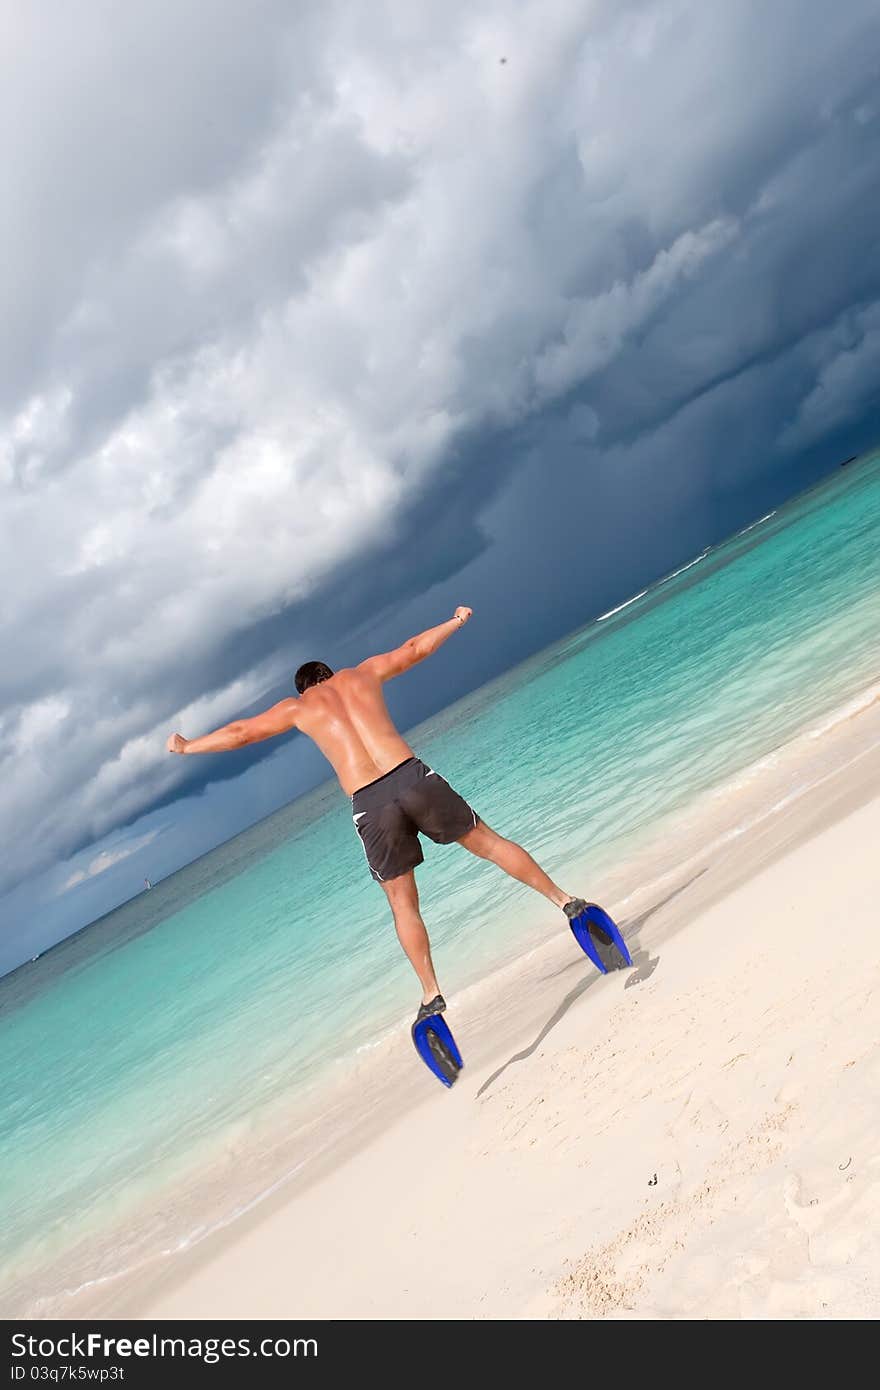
599 938
436 1046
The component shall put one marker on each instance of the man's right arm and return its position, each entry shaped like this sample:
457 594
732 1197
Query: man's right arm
390 664
280 719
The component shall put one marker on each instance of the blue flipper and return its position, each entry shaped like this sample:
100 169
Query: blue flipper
436 1046
599 938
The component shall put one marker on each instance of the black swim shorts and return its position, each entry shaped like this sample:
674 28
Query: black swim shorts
390 813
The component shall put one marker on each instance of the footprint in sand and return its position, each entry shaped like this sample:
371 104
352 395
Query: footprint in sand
809 1216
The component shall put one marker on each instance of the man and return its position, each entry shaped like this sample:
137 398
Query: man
394 796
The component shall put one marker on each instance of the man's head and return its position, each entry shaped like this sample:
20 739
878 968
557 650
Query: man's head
311 673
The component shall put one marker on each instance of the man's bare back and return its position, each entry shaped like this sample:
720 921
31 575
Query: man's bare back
348 719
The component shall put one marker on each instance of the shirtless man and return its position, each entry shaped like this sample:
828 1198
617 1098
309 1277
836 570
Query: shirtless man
394 796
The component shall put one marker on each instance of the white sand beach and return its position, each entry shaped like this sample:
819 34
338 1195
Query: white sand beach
698 1137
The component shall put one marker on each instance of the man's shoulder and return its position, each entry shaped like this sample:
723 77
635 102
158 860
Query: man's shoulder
365 670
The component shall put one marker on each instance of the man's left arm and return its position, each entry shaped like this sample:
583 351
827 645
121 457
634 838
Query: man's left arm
280 719
390 664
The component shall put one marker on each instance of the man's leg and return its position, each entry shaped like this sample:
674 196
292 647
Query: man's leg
403 896
514 860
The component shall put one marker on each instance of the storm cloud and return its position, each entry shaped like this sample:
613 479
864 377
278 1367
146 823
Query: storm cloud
298 301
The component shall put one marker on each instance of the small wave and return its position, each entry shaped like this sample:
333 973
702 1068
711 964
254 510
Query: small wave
383 1039
745 776
620 607
94 1283
201 1232
864 700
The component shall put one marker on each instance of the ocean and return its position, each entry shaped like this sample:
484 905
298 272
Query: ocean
162 1042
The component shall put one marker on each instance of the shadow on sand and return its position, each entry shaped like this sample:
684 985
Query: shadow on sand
643 967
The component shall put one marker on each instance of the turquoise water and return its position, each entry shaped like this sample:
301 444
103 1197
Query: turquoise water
130 1051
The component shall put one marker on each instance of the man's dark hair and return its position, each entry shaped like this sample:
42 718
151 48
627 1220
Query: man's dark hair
311 673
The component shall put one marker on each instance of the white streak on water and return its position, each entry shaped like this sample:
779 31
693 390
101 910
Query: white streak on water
753 524
690 564
620 607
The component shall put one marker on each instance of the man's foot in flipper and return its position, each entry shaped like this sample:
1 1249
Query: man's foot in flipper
434 1006
597 935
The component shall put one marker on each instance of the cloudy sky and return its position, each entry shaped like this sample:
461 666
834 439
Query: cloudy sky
322 318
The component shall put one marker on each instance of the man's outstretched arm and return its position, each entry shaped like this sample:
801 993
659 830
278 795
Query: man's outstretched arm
277 720
391 664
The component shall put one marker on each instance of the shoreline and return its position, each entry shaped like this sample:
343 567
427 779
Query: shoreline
496 1015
